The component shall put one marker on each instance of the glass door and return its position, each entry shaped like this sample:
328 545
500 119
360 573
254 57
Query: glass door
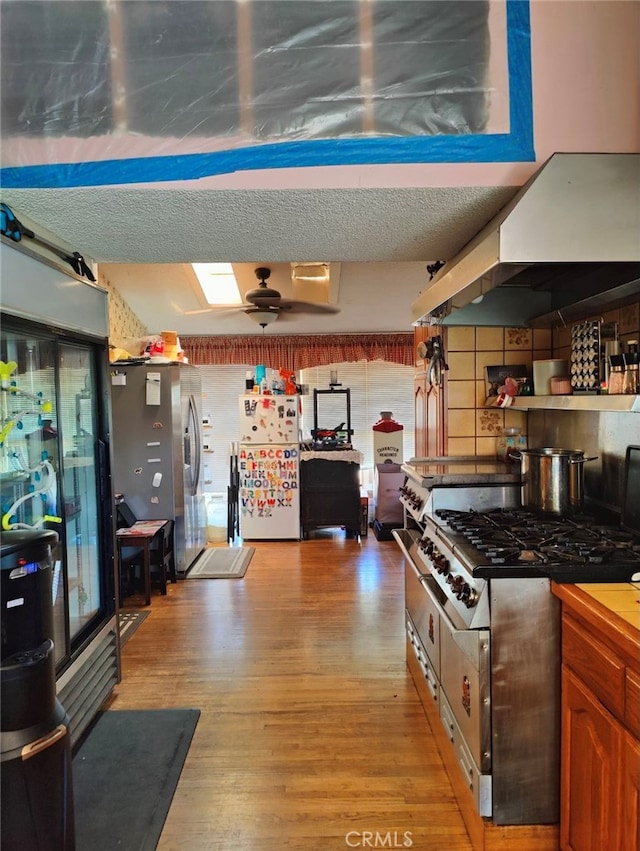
79 460
50 466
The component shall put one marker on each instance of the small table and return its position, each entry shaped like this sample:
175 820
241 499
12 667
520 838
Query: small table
141 534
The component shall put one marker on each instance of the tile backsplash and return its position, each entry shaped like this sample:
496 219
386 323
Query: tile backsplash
473 427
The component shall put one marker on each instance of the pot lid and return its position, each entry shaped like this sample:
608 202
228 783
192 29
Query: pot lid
551 451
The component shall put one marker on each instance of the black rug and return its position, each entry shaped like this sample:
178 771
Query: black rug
125 773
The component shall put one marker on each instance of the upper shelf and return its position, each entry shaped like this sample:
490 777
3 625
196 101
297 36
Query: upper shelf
579 402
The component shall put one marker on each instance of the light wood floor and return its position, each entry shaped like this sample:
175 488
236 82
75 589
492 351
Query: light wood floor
311 734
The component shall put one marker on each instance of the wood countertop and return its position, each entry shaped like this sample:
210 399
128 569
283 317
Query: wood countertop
612 607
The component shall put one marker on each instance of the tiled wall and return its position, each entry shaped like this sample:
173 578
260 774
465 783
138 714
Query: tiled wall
473 427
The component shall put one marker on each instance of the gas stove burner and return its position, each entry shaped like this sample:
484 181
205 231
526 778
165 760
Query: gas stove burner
488 541
564 546
616 536
514 556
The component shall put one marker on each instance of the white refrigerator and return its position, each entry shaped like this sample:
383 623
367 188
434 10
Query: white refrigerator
269 467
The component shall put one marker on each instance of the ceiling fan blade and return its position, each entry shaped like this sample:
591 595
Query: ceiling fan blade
307 306
219 310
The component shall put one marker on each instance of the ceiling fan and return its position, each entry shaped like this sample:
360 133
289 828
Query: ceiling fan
264 304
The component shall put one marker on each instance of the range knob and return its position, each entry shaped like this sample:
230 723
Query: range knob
441 563
427 546
468 596
456 583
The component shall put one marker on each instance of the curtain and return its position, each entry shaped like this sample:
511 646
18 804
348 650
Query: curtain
299 351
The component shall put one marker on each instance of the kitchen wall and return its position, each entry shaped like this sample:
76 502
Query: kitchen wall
123 322
603 434
627 319
473 428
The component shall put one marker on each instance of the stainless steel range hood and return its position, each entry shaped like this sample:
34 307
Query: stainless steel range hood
567 246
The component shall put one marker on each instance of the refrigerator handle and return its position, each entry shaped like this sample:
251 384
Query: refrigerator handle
197 437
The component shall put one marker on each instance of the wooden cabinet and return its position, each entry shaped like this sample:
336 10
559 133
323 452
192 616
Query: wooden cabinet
600 760
430 408
591 777
630 817
330 495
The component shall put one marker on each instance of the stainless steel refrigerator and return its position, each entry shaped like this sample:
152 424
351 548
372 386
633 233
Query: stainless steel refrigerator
157 449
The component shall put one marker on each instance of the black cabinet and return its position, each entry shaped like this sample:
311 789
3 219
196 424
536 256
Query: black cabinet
330 495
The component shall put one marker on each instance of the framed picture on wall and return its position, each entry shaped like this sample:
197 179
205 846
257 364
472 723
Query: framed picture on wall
497 375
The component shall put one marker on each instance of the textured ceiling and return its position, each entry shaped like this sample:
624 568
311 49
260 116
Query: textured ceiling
383 238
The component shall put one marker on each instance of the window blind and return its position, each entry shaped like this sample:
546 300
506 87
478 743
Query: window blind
375 386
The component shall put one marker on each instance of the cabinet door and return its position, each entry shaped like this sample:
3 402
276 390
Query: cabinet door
430 400
630 840
420 398
429 419
435 419
591 774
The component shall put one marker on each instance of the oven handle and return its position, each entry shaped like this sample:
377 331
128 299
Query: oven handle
467 770
470 641
426 671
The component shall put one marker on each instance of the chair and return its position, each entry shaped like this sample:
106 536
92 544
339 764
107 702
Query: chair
129 556
124 515
162 563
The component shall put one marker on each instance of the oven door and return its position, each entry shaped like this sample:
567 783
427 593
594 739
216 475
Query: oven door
424 615
465 680
426 668
459 657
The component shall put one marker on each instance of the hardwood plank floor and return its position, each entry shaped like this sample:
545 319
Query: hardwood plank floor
311 734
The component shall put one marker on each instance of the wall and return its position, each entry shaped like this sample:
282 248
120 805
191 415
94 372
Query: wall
585 67
585 71
123 322
627 319
605 435
472 427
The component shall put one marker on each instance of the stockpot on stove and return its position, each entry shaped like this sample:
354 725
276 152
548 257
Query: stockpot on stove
552 479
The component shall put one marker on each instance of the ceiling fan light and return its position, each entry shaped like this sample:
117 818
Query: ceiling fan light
262 317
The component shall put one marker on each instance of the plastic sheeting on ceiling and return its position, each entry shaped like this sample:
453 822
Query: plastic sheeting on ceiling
251 84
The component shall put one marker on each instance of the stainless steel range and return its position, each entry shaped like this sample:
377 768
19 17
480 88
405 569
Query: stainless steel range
485 629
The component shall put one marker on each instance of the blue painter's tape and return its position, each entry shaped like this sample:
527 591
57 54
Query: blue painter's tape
515 146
